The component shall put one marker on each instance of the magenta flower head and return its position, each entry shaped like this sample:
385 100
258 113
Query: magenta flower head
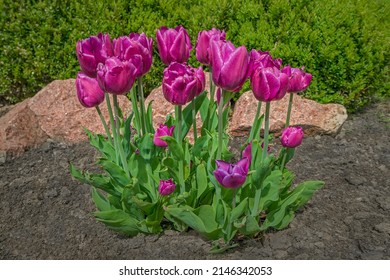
116 76
292 136
298 79
181 83
247 153
136 48
269 84
166 187
203 44
162 130
173 44
262 59
88 91
232 175
92 51
230 65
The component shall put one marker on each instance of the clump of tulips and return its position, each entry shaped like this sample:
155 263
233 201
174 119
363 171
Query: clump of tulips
154 178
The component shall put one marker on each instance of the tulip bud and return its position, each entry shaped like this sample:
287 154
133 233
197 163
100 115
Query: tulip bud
88 91
92 51
181 83
136 48
232 175
262 59
116 76
173 44
203 44
230 65
162 130
269 84
298 79
247 153
166 187
292 136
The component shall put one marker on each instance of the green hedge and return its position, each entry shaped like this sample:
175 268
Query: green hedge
344 44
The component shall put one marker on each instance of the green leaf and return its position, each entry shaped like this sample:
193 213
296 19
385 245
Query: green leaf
149 119
174 147
239 210
270 189
201 180
251 226
187 113
255 130
103 145
101 202
115 171
119 221
127 134
147 147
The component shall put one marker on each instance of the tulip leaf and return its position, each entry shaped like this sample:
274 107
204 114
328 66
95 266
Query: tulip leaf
147 147
250 226
262 171
255 130
239 210
119 221
174 147
270 189
149 118
115 171
171 164
101 202
127 134
201 180
104 146
187 113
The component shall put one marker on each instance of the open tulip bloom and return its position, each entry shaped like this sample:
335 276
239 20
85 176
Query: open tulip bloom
154 176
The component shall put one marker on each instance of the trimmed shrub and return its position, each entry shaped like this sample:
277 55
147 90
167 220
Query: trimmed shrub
344 44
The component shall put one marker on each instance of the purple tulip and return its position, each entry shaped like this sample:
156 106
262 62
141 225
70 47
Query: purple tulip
230 65
166 187
298 79
173 44
232 175
116 76
162 130
92 51
292 136
203 44
136 48
247 153
269 84
181 83
262 59
88 91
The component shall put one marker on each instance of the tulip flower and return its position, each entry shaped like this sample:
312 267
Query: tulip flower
203 44
162 130
92 51
181 83
166 187
88 91
298 79
269 84
173 44
230 65
136 48
262 59
247 153
232 175
116 76
292 136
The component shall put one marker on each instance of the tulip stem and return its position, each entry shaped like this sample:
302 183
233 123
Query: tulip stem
104 124
289 109
234 198
180 141
220 126
194 119
284 160
266 131
112 123
212 88
119 144
134 103
142 105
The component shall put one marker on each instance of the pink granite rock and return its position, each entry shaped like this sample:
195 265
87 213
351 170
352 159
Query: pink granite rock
55 113
314 118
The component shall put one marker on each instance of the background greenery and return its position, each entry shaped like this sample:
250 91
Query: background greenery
345 44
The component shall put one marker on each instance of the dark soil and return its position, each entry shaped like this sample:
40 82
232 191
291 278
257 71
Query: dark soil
45 214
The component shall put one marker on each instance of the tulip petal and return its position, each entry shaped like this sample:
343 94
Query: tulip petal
233 181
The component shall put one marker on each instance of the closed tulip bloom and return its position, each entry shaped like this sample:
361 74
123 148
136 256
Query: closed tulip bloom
232 175
247 153
202 47
162 130
292 136
299 80
116 76
173 44
269 84
136 48
88 91
181 83
166 187
230 65
92 51
262 59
